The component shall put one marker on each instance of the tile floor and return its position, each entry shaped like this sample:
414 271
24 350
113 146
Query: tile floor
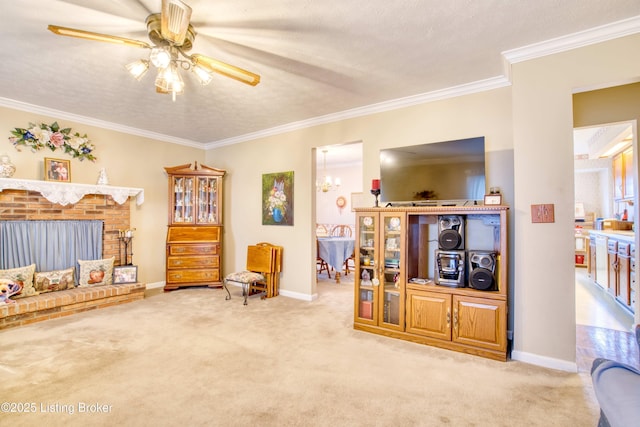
603 328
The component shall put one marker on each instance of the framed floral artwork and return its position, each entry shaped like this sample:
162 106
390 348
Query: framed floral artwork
57 170
277 198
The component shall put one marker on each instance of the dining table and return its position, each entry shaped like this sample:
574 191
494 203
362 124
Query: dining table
335 251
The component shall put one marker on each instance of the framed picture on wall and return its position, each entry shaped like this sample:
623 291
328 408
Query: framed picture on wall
277 198
57 170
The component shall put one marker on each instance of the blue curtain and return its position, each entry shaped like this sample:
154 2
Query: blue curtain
50 245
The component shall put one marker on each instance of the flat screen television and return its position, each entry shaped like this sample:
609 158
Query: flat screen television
452 171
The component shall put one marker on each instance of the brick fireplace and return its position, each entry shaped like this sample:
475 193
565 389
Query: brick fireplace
30 205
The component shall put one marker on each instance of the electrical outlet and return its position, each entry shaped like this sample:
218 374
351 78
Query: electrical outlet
542 213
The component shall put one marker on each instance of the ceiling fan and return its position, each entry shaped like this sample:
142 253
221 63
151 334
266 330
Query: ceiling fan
171 35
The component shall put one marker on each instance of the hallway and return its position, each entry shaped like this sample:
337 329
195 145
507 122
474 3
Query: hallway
603 328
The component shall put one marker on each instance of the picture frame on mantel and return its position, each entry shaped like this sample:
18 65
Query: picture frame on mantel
57 170
493 199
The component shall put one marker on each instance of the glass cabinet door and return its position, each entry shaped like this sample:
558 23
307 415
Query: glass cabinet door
207 202
182 199
366 280
392 262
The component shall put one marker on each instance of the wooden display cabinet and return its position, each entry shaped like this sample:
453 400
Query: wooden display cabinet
453 316
379 271
194 237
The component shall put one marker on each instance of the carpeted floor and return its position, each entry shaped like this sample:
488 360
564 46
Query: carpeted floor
190 358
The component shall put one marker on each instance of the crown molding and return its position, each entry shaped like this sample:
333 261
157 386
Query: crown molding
591 36
452 92
36 109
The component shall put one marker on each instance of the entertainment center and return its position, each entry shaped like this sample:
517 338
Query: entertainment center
434 275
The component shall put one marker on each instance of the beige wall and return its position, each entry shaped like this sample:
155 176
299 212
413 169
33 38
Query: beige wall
528 131
485 114
130 161
543 152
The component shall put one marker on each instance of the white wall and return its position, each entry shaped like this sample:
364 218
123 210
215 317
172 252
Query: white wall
327 212
590 188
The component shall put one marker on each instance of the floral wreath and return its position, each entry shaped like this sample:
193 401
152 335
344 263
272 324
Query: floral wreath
41 135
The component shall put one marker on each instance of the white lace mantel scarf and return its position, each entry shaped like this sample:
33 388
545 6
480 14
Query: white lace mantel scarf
65 193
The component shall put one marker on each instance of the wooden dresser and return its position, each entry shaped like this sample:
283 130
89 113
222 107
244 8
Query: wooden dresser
194 237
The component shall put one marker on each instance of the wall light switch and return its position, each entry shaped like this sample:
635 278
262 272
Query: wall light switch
542 213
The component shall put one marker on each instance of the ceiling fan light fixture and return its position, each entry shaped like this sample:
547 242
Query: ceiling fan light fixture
175 21
202 74
171 35
138 68
160 57
169 80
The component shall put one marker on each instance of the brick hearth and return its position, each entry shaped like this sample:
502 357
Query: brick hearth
51 305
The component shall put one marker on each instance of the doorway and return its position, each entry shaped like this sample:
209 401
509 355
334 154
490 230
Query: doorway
603 323
338 181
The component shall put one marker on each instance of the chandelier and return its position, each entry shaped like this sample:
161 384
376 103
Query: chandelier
326 184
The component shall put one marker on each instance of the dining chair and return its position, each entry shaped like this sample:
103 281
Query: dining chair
321 230
341 230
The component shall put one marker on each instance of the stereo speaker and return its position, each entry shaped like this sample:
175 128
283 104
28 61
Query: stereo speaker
451 232
482 268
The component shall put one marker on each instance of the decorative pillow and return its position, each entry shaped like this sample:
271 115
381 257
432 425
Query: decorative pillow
96 272
58 280
23 276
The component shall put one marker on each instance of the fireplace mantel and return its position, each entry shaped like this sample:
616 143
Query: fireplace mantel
65 193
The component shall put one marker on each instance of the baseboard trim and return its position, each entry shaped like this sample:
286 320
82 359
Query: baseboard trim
545 362
298 295
286 293
155 285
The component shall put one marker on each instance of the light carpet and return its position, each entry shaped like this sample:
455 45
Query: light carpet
190 358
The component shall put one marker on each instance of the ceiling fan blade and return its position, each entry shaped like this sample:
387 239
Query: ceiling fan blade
175 21
88 35
225 69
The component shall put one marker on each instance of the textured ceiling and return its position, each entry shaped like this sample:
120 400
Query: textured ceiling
316 58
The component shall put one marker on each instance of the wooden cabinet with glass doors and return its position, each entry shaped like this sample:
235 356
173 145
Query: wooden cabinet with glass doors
380 269
399 255
194 243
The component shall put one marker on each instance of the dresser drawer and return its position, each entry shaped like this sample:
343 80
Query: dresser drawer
182 249
190 276
174 262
